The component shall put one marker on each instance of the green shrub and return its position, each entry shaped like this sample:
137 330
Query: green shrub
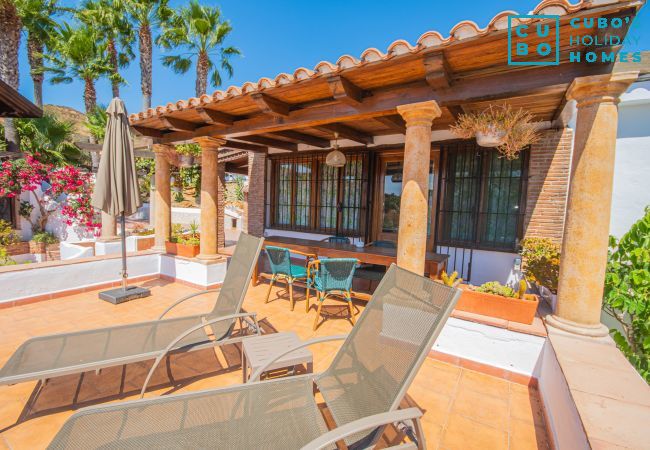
627 293
5 260
541 262
45 238
8 235
496 288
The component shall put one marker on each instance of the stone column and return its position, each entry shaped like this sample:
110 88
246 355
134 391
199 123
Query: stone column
210 180
254 202
162 199
586 230
109 228
412 235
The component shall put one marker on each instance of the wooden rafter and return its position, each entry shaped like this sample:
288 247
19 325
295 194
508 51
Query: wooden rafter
536 81
270 105
345 91
395 123
178 124
270 142
303 138
235 145
347 132
215 117
437 72
149 132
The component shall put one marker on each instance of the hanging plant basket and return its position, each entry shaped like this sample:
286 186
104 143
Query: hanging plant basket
180 157
501 127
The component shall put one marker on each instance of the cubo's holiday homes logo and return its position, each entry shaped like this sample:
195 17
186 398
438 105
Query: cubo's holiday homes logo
591 40
546 52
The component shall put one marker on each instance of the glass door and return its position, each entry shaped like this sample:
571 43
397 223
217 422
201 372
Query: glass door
389 189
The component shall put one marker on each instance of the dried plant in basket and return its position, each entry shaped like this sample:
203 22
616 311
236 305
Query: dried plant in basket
183 155
508 130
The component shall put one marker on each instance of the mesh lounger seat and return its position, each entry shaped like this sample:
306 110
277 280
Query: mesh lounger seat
362 389
45 357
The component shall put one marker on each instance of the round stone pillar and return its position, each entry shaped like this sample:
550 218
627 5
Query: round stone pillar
209 196
109 228
162 199
586 229
412 234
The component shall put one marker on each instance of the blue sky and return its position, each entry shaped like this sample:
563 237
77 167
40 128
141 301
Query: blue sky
281 35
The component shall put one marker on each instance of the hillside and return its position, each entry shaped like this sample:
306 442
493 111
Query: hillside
69 115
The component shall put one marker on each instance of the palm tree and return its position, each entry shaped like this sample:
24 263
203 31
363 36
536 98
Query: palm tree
201 31
77 54
96 122
108 18
145 15
37 19
10 26
51 138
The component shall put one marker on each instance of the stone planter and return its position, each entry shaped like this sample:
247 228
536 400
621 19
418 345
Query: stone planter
145 242
185 250
507 308
51 251
19 248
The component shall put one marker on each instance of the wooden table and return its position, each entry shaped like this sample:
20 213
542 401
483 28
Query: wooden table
434 263
258 350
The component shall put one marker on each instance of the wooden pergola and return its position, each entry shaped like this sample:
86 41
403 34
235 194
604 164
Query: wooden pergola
411 90
14 105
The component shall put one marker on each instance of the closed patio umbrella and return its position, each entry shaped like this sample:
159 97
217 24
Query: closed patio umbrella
116 188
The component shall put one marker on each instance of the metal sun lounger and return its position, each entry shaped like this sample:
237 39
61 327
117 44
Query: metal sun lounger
362 389
45 357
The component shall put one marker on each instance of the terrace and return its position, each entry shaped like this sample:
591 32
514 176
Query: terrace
559 382
510 416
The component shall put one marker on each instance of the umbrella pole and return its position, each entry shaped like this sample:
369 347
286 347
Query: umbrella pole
124 274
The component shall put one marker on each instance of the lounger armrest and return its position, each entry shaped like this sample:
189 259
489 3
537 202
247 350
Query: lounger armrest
366 423
279 355
184 334
187 297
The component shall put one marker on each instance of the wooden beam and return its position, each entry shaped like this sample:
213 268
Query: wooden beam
563 114
270 142
178 124
643 66
456 110
345 91
215 117
149 132
231 168
539 80
245 146
395 123
347 132
303 138
270 105
437 71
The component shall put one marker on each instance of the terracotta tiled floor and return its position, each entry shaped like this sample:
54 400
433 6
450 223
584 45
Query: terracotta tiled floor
463 409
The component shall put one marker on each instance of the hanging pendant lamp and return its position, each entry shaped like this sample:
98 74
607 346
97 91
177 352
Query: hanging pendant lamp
335 158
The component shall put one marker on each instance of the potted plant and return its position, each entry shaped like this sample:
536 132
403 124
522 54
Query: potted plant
143 236
495 300
508 130
182 243
46 243
541 265
184 155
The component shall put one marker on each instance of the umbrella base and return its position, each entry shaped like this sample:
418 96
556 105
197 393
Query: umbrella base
119 295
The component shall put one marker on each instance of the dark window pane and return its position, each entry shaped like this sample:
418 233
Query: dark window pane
328 185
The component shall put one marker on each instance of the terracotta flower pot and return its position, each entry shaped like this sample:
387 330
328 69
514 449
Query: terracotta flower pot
507 308
184 250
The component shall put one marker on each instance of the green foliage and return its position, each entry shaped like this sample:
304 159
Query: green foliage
496 288
49 137
194 229
140 229
627 293
451 280
199 31
188 149
177 232
541 262
8 235
96 122
25 209
235 189
5 259
45 237
179 197
145 169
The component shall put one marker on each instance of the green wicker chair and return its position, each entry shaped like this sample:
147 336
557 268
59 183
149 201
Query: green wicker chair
283 269
331 276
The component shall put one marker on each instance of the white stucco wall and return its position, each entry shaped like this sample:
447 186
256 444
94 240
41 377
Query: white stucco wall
632 168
